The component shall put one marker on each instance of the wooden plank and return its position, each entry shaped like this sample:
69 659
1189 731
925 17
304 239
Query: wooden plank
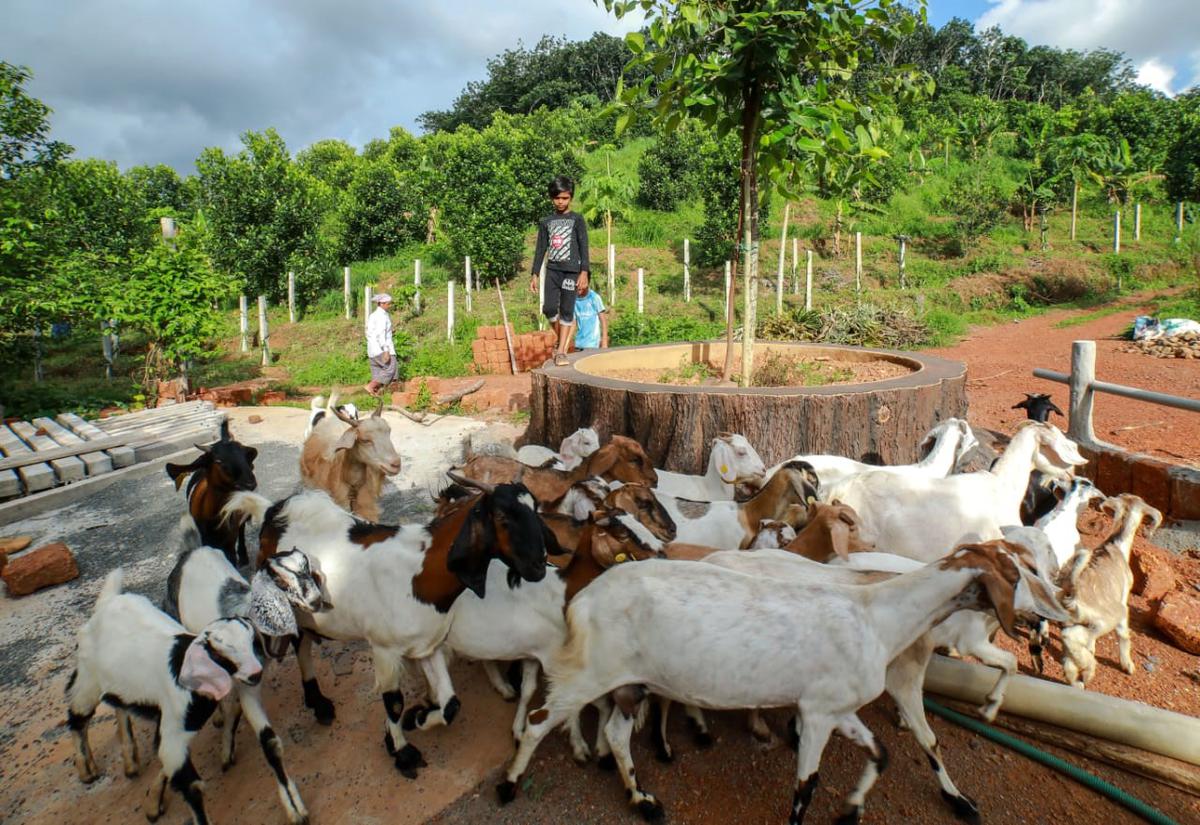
68 468
121 456
202 430
35 474
158 424
95 463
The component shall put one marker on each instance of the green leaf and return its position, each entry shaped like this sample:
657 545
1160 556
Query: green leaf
636 42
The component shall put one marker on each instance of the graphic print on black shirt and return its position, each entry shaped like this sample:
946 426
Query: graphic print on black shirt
560 231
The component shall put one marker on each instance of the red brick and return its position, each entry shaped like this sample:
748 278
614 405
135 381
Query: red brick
272 397
15 544
44 567
1152 481
1178 618
1185 494
478 348
1153 574
1113 475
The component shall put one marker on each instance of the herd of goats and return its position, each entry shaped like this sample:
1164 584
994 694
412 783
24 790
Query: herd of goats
815 585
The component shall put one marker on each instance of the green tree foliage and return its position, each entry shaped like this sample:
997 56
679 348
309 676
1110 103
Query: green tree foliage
24 126
552 74
264 216
99 210
331 161
977 194
384 209
607 196
160 187
1182 165
667 172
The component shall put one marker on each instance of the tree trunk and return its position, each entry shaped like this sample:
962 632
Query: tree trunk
748 211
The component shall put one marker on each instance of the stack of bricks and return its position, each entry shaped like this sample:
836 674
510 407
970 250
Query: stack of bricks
491 350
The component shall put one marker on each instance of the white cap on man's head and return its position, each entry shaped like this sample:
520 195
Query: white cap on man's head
382 298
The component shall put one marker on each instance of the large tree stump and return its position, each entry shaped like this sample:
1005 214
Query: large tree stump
880 421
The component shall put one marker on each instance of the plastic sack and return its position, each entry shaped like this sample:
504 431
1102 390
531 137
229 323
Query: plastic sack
1146 328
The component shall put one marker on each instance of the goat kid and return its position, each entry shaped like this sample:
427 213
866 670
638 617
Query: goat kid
571 453
1096 585
222 469
139 660
683 631
319 409
395 586
350 464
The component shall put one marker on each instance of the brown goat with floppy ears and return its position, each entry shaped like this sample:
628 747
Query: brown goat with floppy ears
350 464
831 532
223 468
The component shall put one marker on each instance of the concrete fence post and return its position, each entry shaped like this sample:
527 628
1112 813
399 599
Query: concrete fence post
346 290
291 297
244 324
795 266
1178 221
417 284
264 331
467 281
858 263
808 272
903 244
1137 221
687 271
728 280
1117 232
1083 373
641 290
450 310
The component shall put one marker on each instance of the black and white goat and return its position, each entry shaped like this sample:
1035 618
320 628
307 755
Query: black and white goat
394 586
204 587
223 468
319 408
1039 495
138 659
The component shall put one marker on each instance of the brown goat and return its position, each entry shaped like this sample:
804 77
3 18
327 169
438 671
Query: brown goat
831 532
622 459
350 464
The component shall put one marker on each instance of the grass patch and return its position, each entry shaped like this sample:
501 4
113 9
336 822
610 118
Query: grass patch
1087 317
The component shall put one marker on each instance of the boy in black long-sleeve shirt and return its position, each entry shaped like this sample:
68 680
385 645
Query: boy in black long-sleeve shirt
563 241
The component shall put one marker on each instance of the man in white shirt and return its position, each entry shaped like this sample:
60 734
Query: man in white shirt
381 350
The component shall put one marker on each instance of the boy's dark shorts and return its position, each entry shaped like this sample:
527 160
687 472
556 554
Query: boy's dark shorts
559 299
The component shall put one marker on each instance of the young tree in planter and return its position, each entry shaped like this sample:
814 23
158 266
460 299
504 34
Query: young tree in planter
775 71
1076 156
606 196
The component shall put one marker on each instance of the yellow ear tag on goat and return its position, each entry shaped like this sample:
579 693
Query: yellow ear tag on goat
620 557
810 500
724 469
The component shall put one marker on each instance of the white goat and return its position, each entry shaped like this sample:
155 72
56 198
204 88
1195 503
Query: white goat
1096 585
1061 525
947 442
318 409
395 586
924 518
731 461
728 525
138 659
687 632
571 453
203 587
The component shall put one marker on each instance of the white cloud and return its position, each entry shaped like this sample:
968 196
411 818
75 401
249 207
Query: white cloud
149 82
1158 36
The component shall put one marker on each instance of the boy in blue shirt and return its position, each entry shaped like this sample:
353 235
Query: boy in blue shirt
591 318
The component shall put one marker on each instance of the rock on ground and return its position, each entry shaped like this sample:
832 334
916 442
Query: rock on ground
44 567
1178 618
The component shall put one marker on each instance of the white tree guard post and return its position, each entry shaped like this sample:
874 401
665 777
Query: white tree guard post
728 281
1117 232
264 331
291 297
808 269
795 266
749 308
450 310
641 290
366 306
108 347
1079 410
168 228
244 325
1178 221
782 260
858 263
467 281
687 271
903 281
1137 221
346 290
541 316
612 273
417 284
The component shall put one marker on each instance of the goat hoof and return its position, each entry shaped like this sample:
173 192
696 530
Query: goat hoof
414 718
850 817
964 808
651 809
451 710
323 710
580 757
506 791
608 762
408 759
664 756
703 739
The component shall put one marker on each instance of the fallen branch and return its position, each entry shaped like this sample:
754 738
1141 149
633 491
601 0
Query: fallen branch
512 357
424 419
455 397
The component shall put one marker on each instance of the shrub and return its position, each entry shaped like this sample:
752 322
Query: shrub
631 328
667 173
977 197
716 239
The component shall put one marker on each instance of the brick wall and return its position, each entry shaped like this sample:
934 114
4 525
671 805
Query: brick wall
490 350
1173 489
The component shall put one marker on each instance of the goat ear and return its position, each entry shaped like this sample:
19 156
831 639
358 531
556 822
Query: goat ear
199 673
179 472
1041 596
1155 517
251 454
603 460
225 436
470 554
839 539
1000 594
347 440
319 578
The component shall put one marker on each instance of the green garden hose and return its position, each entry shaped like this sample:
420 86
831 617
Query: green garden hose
1097 784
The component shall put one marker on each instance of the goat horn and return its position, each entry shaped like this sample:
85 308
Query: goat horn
458 478
378 410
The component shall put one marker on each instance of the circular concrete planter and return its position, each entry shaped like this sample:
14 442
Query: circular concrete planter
878 421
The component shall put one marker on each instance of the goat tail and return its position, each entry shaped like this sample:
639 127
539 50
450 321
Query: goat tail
187 535
318 403
114 583
246 505
572 656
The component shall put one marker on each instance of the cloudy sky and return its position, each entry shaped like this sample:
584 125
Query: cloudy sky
152 82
